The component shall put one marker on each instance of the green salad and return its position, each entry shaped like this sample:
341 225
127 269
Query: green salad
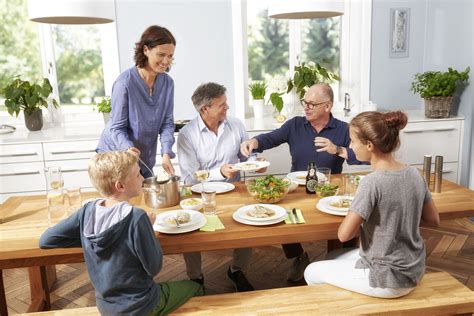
268 189
327 189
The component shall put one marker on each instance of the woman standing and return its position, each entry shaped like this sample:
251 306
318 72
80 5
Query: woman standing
390 205
143 101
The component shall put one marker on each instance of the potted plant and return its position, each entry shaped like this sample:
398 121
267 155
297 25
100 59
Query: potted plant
22 95
438 88
258 89
306 75
104 107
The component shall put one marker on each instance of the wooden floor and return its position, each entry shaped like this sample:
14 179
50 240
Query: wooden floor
450 248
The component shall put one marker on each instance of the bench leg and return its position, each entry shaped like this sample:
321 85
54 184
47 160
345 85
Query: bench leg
3 299
41 279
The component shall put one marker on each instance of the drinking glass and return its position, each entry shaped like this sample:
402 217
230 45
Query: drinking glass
348 184
209 202
202 175
74 197
327 174
56 207
54 178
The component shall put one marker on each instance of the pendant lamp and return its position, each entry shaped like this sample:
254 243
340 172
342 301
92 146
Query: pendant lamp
71 11
305 9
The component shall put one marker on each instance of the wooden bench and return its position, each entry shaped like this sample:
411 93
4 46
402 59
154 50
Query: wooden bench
438 294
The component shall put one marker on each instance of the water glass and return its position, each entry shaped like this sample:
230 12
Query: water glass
56 207
209 202
327 175
74 198
349 185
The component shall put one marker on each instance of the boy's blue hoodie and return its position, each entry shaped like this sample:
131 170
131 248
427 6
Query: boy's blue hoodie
122 259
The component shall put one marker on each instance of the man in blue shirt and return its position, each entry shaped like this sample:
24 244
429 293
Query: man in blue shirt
331 140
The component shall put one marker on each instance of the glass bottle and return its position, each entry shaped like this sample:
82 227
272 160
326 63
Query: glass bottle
311 178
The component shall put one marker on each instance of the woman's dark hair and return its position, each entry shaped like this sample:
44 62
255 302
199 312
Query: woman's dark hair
153 36
381 129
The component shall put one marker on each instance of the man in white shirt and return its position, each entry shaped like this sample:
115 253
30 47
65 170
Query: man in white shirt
212 141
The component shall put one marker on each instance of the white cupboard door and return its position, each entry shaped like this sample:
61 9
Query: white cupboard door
20 177
70 150
21 153
74 172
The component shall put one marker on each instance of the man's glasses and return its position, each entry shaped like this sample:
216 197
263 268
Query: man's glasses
311 105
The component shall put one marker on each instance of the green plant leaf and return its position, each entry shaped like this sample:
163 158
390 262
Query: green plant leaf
277 101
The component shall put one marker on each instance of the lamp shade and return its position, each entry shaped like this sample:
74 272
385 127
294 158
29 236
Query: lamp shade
71 11
305 9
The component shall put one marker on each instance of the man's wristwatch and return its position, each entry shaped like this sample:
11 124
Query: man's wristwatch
338 150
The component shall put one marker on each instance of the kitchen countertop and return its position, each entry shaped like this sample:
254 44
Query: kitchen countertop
89 126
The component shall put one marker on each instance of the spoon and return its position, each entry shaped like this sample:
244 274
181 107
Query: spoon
162 181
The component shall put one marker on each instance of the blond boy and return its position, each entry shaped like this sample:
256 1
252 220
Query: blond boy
121 251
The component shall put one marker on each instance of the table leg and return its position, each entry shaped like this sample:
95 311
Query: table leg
3 299
41 279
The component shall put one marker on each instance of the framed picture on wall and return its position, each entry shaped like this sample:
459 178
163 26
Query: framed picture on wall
399 32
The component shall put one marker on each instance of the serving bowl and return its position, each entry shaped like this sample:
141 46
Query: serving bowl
327 189
194 204
268 189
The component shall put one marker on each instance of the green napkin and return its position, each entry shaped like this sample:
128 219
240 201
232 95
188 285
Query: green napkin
212 223
300 217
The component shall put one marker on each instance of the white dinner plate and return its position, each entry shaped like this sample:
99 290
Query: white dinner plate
279 212
326 202
323 208
251 165
241 220
300 176
162 218
174 230
219 187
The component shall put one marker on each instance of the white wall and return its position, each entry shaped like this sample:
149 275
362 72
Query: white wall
441 36
203 32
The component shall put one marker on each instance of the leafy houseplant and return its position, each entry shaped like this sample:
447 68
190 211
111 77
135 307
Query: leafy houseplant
22 95
438 88
307 75
258 89
104 107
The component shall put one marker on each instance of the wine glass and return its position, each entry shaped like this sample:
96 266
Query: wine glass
202 175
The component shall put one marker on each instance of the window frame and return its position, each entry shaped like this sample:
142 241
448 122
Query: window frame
356 28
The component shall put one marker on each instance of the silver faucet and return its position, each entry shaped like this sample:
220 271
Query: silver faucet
347 104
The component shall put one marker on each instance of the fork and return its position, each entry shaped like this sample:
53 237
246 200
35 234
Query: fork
176 221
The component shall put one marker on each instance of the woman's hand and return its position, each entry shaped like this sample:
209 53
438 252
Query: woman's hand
167 165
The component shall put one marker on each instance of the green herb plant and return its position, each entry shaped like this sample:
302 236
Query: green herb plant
306 75
437 83
104 105
258 89
22 95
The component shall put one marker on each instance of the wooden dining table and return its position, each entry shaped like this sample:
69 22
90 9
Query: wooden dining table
24 218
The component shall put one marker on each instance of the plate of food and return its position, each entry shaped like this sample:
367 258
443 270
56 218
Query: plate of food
251 165
191 204
219 187
261 212
337 203
300 176
267 221
165 222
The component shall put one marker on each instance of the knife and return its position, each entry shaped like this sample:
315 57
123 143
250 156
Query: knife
290 216
297 221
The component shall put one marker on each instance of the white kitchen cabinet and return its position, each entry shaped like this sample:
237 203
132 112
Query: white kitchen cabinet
25 176
68 150
74 172
21 153
433 137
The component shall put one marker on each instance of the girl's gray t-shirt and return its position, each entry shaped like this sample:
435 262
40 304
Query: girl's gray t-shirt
391 202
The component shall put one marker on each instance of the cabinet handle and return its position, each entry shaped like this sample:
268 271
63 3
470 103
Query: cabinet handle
73 152
24 173
20 155
440 129
73 170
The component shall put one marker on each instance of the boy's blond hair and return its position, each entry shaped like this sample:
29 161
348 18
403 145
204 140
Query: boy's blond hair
109 167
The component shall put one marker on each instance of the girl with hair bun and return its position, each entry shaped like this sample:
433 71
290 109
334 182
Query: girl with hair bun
390 205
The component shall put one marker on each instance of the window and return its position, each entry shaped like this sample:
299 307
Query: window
341 44
71 56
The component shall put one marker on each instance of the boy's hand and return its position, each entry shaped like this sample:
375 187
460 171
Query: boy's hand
152 217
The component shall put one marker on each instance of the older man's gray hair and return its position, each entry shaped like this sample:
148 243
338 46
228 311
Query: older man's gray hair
205 93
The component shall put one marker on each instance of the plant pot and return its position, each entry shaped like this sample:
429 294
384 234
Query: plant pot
106 117
438 107
258 108
34 120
